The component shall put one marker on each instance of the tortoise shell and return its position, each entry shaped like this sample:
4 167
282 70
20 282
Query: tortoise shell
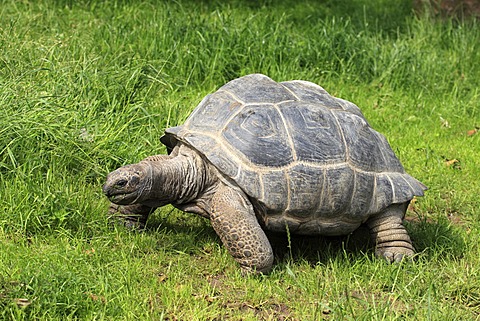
304 158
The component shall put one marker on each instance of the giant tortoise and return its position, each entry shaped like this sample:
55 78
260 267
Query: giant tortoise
259 156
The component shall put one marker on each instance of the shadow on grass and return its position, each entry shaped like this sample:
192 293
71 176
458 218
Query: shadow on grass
430 238
191 232
435 238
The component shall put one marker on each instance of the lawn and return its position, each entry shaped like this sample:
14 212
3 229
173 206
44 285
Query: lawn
88 86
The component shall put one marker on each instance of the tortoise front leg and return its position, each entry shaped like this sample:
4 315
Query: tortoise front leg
234 220
390 236
133 216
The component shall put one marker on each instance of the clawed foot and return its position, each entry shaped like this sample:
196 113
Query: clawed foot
132 217
249 270
395 254
128 223
390 236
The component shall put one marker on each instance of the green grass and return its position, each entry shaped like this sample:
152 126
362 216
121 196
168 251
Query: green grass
87 86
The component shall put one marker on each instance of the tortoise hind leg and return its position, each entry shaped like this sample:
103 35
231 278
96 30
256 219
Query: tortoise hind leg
392 241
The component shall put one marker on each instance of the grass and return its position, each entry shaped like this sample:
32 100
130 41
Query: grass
87 86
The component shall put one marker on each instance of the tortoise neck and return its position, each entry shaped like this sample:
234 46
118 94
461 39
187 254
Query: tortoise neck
178 179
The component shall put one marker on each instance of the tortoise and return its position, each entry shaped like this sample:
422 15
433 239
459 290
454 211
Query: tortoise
258 155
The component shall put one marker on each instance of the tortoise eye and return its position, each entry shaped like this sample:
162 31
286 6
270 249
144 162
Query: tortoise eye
121 183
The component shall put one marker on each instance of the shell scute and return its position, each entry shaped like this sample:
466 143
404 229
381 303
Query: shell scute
362 193
382 196
304 191
350 107
275 190
367 149
207 118
213 150
311 93
257 88
259 134
314 133
247 177
337 190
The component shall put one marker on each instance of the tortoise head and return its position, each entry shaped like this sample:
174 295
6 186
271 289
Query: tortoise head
129 184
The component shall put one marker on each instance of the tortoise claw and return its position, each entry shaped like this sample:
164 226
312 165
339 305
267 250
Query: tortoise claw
132 217
395 255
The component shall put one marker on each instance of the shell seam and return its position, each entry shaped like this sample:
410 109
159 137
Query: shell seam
289 135
347 157
254 167
394 197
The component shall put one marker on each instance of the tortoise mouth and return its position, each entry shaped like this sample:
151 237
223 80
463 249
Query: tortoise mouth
124 198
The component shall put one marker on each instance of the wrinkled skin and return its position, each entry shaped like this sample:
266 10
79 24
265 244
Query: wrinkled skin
189 183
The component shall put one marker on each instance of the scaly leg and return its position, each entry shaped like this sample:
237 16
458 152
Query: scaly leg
234 220
390 236
133 217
